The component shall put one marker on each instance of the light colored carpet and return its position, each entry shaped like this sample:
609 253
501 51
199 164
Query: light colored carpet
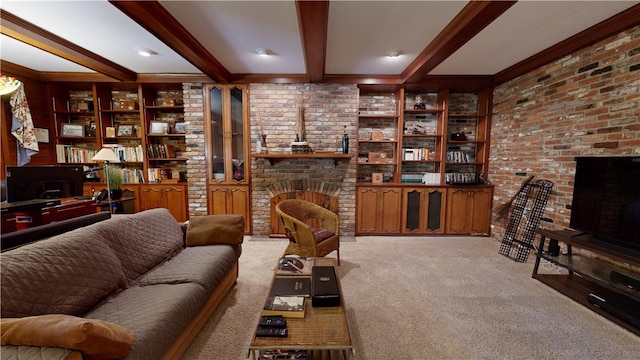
428 298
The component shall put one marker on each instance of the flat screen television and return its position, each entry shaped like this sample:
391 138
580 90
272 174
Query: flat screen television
606 201
44 182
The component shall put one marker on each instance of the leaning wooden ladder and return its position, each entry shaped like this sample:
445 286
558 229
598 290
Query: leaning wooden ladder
518 238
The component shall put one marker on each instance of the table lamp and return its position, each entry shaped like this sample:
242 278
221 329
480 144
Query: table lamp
108 156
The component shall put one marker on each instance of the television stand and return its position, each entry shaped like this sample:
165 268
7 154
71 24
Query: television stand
599 278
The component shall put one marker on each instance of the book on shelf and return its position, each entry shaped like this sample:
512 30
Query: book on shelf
285 306
295 265
74 154
291 286
161 151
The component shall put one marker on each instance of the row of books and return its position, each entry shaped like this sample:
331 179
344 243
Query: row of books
128 153
132 176
415 154
424 178
158 174
74 154
457 156
161 151
291 287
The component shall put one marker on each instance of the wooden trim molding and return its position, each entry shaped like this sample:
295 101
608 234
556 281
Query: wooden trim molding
157 20
313 20
23 31
474 17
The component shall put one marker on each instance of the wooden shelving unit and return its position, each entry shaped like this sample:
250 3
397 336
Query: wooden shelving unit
413 130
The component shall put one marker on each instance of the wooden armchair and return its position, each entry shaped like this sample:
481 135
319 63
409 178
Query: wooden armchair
312 230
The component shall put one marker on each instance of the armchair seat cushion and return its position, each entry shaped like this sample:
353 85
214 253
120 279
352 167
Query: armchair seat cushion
322 234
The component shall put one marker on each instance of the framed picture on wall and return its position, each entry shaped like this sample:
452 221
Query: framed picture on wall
42 135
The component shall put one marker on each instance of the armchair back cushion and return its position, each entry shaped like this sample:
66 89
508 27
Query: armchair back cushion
312 230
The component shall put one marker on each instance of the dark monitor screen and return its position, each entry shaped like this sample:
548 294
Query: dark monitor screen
44 182
606 200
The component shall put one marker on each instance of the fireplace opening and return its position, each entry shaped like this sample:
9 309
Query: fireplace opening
318 192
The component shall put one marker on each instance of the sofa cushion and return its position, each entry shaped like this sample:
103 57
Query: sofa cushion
215 229
14 352
142 240
204 265
156 315
65 274
97 339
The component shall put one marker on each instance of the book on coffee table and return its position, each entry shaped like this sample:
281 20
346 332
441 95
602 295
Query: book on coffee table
291 286
285 306
295 265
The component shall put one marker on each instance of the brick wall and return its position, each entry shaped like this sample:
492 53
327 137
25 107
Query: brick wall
328 108
587 103
195 148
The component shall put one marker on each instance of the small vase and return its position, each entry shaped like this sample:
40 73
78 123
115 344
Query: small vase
115 194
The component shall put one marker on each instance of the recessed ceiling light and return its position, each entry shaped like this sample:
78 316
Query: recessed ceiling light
263 51
393 53
146 52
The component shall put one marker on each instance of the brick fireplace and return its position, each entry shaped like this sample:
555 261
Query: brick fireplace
328 108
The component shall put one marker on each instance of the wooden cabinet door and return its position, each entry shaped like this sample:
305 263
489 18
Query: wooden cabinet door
230 200
389 207
423 210
469 210
378 210
151 197
217 200
457 199
175 199
480 213
367 208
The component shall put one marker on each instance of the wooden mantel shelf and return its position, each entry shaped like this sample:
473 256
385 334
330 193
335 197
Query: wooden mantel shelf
277 157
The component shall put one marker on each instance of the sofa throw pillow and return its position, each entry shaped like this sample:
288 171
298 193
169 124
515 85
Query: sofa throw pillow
215 229
97 339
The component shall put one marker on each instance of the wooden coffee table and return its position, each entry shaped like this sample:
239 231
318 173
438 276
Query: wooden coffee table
322 329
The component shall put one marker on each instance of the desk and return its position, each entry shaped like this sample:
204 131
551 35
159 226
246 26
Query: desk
28 205
21 215
119 205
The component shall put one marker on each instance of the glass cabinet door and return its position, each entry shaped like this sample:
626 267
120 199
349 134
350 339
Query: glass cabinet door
216 134
237 133
226 137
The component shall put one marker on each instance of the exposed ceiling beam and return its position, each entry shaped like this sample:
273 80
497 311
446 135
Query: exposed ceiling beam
474 17
9 68
609 27
158 21
313 20
30 34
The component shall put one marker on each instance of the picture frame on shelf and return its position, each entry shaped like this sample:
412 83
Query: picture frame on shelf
179 128
110 132
72 130
125 130
158 127
91 128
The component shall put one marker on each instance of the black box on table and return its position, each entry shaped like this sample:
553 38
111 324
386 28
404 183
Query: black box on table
324 287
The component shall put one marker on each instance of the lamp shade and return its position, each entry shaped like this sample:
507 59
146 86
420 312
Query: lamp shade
106 154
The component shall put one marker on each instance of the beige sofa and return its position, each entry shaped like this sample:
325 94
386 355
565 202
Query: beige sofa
128 284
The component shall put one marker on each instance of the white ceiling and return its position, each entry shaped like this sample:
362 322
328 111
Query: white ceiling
359 34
